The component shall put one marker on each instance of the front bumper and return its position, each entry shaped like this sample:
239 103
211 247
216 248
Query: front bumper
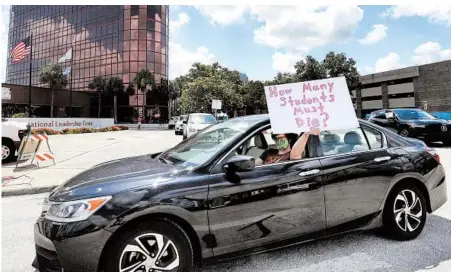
429 134
68 246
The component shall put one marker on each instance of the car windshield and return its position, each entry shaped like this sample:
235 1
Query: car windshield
413 114
182 118
203 146
202 119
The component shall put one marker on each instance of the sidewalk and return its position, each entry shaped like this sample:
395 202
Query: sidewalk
76 153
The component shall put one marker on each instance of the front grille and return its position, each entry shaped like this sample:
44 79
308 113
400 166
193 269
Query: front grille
47 260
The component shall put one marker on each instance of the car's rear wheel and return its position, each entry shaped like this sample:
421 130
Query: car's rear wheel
404 213
159 247
8 151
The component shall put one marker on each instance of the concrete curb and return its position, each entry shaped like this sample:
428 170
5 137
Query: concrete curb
27 191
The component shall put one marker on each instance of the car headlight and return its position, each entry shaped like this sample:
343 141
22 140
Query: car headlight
73 211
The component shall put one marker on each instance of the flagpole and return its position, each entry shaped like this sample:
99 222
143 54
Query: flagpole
31 65
70 86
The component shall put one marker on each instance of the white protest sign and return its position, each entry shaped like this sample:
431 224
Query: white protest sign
298 107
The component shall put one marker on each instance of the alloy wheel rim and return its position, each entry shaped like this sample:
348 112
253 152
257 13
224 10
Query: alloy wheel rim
5 152
404 133
408 210
150 252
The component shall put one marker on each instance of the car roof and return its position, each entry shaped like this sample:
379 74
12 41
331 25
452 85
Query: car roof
200 114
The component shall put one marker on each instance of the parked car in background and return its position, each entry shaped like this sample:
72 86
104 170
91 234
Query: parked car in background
180 124
414 123
172 122
196 122
221 117
12 134
206 199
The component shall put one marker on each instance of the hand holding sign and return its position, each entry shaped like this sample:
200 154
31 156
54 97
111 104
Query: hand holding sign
324 104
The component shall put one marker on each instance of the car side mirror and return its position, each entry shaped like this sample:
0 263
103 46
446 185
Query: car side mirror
239 163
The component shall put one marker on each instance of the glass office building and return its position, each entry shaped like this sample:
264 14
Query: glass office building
105 41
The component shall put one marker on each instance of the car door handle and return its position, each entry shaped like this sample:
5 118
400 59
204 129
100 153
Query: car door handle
382 159
310 172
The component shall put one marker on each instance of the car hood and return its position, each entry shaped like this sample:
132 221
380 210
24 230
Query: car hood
116 176
14 124
428 122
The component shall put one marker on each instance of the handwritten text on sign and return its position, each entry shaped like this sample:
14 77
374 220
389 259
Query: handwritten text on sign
324 104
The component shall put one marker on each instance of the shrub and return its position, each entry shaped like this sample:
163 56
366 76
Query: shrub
47 131
19 115
114 128
123 127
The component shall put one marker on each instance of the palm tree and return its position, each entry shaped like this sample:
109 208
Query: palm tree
115 86
145 81
99 85
53 76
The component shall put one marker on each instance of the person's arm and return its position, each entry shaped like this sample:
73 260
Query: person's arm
299 147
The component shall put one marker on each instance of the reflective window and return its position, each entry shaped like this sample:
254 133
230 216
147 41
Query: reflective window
343 141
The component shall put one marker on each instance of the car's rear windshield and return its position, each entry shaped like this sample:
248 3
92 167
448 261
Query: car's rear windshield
202 119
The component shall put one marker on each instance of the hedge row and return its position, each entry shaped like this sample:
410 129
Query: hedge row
50 131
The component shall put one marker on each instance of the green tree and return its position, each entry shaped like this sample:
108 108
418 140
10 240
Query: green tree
53 77
309 69
98 84
254 96
144 81
130 89
337 65
115 86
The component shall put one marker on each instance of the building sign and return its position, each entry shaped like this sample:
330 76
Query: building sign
6 93
298 107
62 123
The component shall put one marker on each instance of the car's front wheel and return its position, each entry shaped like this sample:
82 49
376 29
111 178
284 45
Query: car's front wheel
404 213
404 132
160 247
8 151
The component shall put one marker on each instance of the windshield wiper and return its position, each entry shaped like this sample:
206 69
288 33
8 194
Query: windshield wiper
165 161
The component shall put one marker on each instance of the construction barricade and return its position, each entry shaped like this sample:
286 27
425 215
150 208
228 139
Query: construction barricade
30 146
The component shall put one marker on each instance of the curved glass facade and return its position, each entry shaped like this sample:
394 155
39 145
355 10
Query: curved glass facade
105 41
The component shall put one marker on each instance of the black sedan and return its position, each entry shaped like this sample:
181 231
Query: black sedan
414 123
206 200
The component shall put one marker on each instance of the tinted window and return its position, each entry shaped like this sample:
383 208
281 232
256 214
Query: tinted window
379 115
374 137
202 119
207 143
413 114
343 141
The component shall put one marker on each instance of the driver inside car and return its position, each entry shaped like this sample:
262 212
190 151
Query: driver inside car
284 152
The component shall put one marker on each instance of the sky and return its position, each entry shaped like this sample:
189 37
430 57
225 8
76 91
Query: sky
261 41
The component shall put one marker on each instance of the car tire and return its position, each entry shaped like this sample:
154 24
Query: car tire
404 213
126 252
8 148
404 132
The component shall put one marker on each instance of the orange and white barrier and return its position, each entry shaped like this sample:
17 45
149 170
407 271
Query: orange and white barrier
40 137
45 156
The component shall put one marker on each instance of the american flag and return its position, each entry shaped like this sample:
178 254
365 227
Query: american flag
21 50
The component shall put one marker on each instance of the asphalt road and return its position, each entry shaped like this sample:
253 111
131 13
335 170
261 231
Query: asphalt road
358 251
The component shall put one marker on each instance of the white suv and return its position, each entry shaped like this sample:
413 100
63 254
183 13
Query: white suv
196 122
12 134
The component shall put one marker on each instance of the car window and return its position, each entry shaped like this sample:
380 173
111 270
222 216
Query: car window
380 115
206 144
413 114
202 119
374 137
343 141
